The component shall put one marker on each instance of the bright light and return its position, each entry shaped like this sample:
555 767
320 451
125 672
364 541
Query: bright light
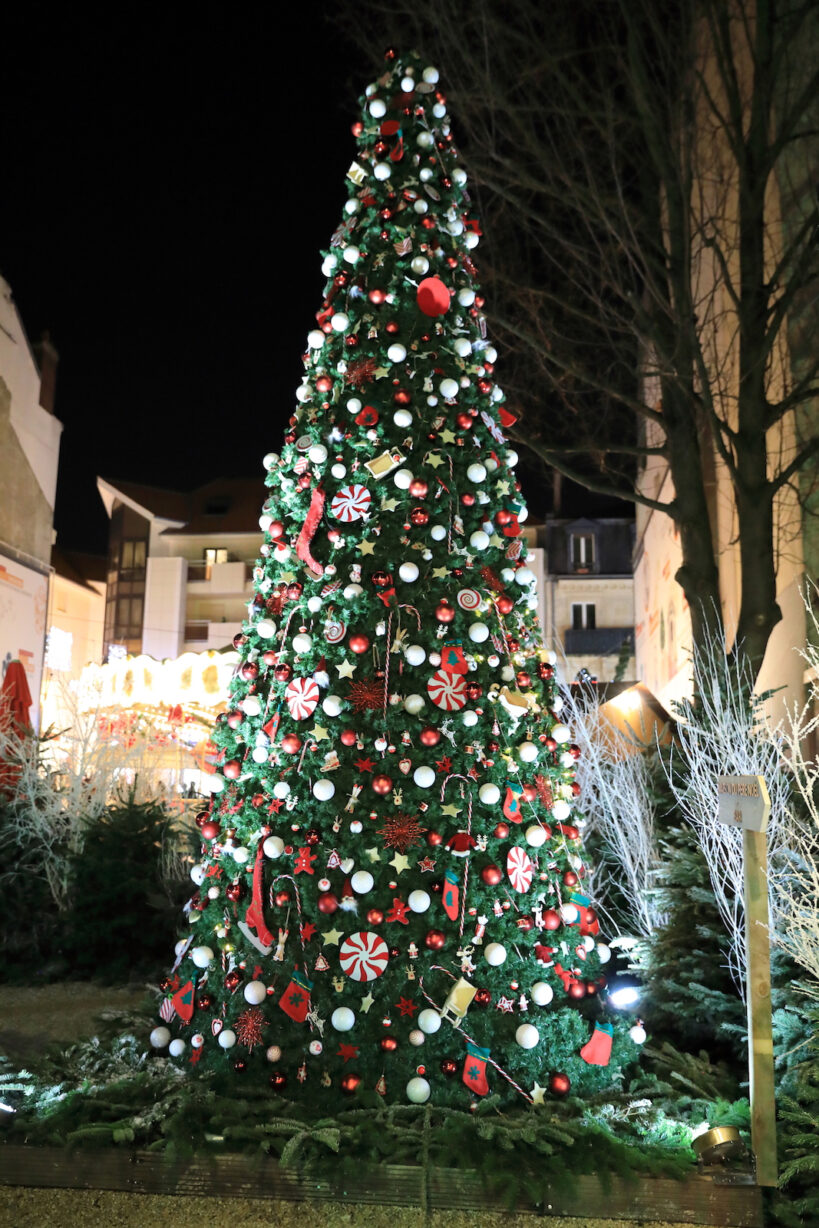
117 652
58 649
627 995
628 701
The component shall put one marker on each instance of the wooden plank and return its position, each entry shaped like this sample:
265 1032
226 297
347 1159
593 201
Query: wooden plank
760 1033
699 1199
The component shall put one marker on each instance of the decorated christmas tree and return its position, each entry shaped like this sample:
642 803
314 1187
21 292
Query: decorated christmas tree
390 889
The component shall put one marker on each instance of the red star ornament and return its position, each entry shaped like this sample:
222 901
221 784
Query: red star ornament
347 1052
406 1006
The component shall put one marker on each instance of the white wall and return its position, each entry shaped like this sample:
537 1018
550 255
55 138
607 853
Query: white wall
23 604
164 615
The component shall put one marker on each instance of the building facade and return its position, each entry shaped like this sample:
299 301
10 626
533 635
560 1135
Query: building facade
180 565
29 455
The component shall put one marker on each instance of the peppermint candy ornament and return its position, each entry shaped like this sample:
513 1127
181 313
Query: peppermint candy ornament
519 868
334 630
302 697
469 598
447 691
363 956
351 503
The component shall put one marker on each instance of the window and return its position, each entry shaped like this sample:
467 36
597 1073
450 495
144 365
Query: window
214 554
583 616
582 551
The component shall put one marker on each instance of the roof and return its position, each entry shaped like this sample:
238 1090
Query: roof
224 505
79 567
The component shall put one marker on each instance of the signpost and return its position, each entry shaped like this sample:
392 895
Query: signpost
744 802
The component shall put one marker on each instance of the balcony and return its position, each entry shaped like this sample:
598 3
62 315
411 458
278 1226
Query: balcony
596 641
219 579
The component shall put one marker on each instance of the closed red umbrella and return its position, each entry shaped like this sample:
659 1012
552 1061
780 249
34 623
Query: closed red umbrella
15 701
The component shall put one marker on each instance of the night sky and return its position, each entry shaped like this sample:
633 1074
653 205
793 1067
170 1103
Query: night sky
168 180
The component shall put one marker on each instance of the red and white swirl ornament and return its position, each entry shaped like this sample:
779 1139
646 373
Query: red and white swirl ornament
351 503
334 630
447 691
519 868
302 697
364 956
469 598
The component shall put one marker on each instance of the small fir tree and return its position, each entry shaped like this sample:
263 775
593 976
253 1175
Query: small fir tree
390 889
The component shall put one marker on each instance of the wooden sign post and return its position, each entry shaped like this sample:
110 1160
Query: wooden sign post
744 802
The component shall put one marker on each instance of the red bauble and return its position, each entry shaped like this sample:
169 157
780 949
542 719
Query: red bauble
503 517
324 383
468 499
294 591
591 988
570 878
282 898
239 640
444 612
435 940
278 1080
429 736
525 924
348 737
283 672
269 657
464 421
545 671
402 397
375 295
576 790
501 831
381 579
432 295
211 830
375 916
436 888
577 990
418 488
202 817
232 981
523 679
358 642
388 1043
492 875
392 327
327 903
434 838
569 831
482 997
350 1083
312 836
550 744
449 1067
559 1083
305 481
204 1002
232 769
291 743
529 792
234 719
276 528
574 751
551 919
234 891
474 690
382 784
419 516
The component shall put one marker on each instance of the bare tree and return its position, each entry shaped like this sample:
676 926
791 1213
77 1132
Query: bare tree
634 164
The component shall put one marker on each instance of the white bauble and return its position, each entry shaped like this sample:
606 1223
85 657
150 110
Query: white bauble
351 254
478 632
259 754
415 655
271 459
402 478
535 836
342 1018
527 1036
377 108
407 85
382 171
459 176
315 1048
352 590
425 140
437 532
265 522
302 642
402 418
638 1034
362 882
561 734
566 759
466 297
512 458
274 1053
255 992
315 339
414 704
419 901
339 321
177 1047
489 794
603 952
430 75
527 752
241 855
396 352
418 1090
479 540
560 810
266 628
317 454
524 577
332 705
179 947
213 893
338 471
568 914
281 789
471 239
197 1040
448 389
495 954
419 265
429 1021
160 1037
416 1037
198 874
469 718
420 206
354 405
213 784
541 993
424 777
323 790
435 659
462 347
408 572
476 472
227 1038
202 956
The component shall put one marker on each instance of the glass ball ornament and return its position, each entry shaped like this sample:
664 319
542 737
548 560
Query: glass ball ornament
489 794
561 734
424 777
527 1036
342 1019
495 954
177 1047
402 478
478 632
603 952
568 914
469 718
382 171
402 418
302 642
227 1038
416 1037
527 752
396 352
437 532
418 1090
255 992
160 1038
323 790
351 254
414 704
462 347
419 901
202 956
541 993
476 472
339 321
362 882
332 705
637 1034
408 572
492 875
559 1083
315 340
377 108
274 1053
561 810
429 1021
535 836
448 389
415 654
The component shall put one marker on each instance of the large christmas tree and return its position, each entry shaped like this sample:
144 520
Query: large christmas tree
390 889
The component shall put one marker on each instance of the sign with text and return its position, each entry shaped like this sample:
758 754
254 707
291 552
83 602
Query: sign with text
744 802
